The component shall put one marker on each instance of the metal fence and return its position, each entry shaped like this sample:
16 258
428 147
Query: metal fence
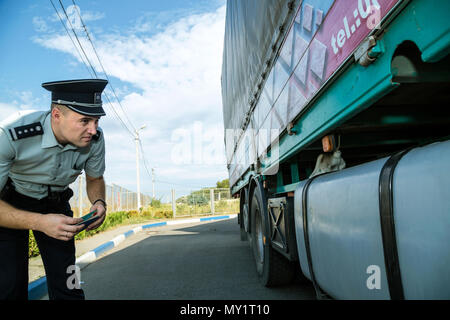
206 201
201 202
117 198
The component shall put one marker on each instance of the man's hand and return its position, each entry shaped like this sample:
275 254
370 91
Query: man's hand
101 213
59 226
95 188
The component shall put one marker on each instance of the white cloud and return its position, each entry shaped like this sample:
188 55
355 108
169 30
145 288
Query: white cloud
7 109
168 80
73 15
24 100
91 16
39 24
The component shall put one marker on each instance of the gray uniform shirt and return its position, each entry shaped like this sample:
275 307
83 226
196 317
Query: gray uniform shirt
35 160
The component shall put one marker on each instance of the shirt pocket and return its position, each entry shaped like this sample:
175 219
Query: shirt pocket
71 175
75 160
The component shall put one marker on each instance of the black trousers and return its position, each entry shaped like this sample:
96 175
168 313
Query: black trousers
57 255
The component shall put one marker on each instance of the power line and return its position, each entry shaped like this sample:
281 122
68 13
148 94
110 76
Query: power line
144 159
93 69
101 64
68 33
89 62
117 115
112 88
182 185
78 40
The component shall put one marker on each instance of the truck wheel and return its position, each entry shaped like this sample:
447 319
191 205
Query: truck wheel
244 216
272 268
244 234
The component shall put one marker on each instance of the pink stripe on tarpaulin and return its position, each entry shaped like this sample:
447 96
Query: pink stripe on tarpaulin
346 25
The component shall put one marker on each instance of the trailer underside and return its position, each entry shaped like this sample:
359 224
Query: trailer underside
398 102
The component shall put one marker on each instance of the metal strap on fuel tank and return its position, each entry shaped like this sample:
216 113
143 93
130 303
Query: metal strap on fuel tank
319 292
388 226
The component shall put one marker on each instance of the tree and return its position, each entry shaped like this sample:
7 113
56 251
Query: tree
223 184
197 199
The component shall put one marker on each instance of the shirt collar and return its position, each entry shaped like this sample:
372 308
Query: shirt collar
49 139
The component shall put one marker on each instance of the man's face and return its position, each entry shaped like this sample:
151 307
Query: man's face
76 128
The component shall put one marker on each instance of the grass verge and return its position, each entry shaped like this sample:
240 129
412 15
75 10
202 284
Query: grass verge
163 211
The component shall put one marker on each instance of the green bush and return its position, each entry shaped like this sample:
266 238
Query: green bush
33 250
156 210
156 203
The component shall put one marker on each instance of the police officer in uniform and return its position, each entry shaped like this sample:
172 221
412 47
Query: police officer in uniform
41 153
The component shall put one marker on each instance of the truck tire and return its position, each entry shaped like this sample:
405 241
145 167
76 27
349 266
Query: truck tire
243 233
273 269
244 216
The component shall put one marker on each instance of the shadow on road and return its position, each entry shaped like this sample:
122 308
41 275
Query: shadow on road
201 262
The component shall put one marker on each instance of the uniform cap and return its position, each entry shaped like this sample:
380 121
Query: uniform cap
83 96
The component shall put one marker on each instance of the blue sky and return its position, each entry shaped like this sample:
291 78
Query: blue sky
163 59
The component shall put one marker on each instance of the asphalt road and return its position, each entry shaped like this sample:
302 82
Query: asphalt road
204 261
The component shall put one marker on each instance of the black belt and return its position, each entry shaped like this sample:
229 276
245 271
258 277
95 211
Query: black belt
61 196
386 199
52 196
320 294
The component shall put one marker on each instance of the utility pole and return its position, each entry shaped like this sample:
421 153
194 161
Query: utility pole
137 172
153 183
136 139
211 197
174 206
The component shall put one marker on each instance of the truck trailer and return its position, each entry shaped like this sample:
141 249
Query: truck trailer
337 138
